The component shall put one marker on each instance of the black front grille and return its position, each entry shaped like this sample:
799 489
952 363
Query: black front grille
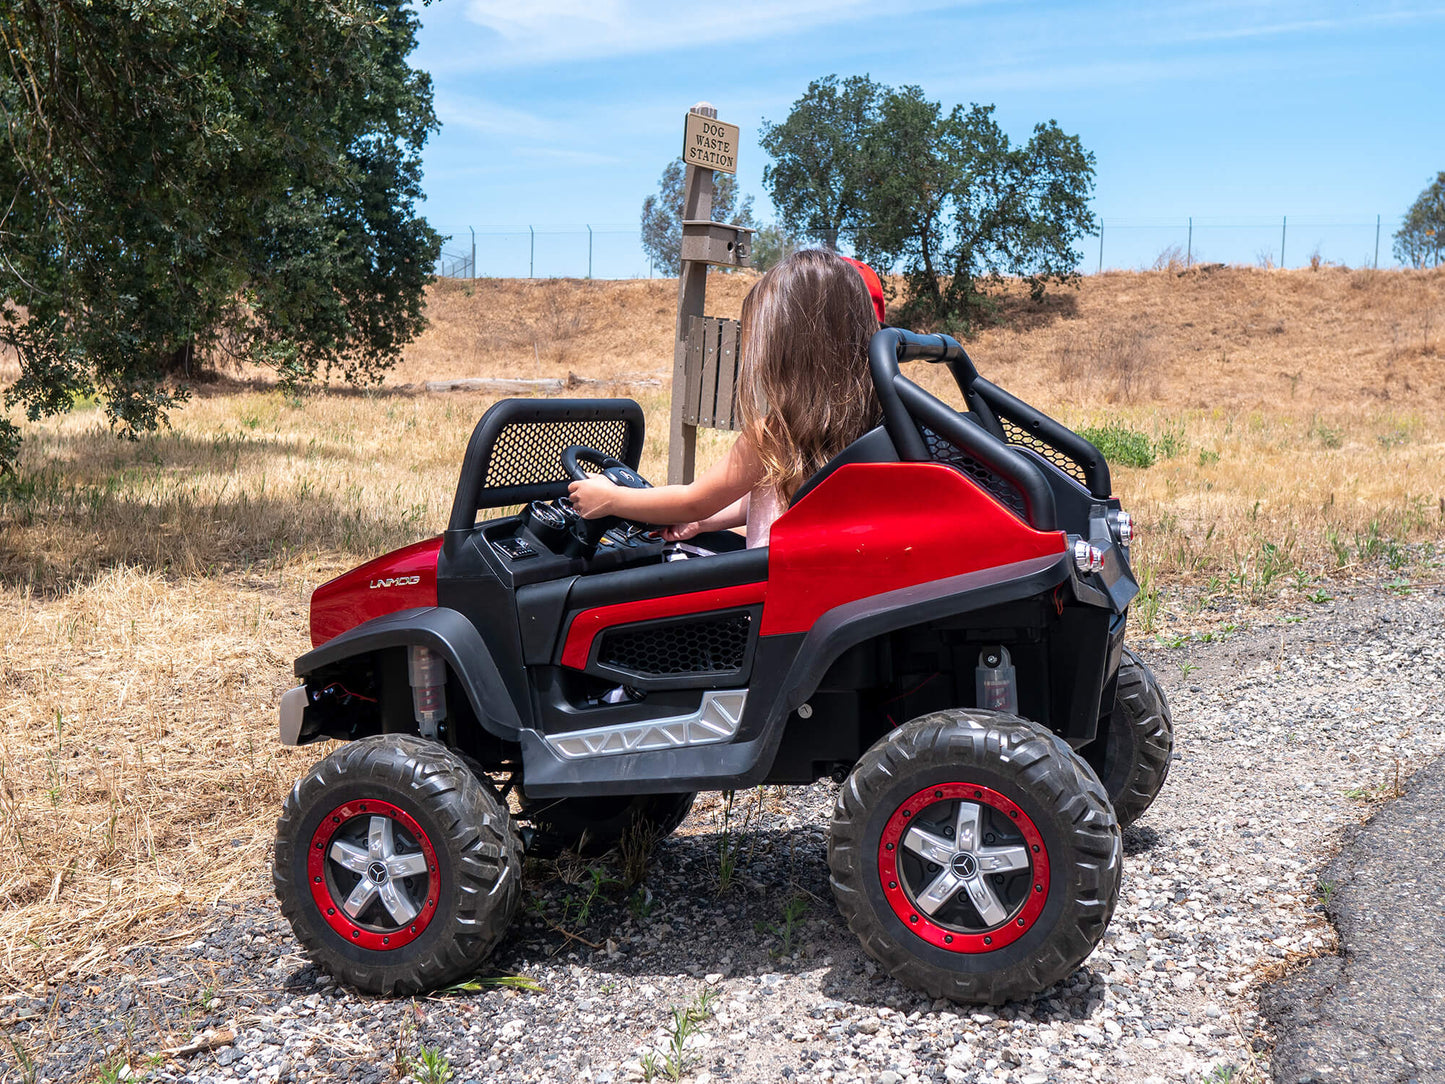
942 450
716 643
527 452
1017 434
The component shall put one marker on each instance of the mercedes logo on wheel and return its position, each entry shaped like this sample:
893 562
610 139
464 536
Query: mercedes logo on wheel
377 872
964 864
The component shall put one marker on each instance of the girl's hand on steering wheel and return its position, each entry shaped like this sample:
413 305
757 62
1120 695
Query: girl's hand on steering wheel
592 498
681 532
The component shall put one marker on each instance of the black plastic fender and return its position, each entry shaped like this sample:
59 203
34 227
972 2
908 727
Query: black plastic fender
446 632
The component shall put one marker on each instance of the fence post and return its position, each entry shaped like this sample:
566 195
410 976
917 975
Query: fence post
1189 250
1101 244
1284 223
532 254
691 288
1377 242
474 251
589 252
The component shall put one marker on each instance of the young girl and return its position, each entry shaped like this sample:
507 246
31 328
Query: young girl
805 395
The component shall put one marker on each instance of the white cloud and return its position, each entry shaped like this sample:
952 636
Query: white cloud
523 32
479 115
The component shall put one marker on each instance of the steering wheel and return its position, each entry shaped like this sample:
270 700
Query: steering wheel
590 531
613 469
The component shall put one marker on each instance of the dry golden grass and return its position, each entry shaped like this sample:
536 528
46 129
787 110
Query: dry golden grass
153 594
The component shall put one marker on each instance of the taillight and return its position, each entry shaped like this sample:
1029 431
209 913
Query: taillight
1123 527
1088 558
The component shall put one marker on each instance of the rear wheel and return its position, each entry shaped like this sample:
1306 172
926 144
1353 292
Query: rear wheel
396 868
1132 754
593 826
975 856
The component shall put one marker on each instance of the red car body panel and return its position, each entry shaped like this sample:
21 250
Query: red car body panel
587 624
874 527
396 581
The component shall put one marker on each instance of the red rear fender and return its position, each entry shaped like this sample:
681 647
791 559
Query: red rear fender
874 527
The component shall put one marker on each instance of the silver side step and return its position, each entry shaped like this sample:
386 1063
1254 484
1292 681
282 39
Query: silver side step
716 720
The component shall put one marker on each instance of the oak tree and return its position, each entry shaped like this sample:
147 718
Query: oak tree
1420 241
182 178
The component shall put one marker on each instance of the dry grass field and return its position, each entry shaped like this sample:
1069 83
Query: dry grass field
153 594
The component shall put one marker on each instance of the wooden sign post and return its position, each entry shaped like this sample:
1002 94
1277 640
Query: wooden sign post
705 351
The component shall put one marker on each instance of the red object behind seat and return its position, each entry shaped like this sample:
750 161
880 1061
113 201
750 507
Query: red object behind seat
874 527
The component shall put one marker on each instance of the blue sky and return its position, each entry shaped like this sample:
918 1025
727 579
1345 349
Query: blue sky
561 113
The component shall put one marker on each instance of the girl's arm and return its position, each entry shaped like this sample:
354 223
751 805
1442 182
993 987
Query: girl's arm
720 486
734 515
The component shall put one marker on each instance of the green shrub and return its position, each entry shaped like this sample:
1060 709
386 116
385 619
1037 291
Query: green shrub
1121 446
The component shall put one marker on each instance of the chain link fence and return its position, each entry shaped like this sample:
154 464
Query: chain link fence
599 251
613 251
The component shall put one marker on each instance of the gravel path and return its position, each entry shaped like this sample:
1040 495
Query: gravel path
1276 723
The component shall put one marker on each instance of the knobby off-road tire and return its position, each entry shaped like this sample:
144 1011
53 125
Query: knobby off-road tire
397 869
1020 824
1131 756
593 826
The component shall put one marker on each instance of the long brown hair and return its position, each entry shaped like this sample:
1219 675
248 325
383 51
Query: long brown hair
806 393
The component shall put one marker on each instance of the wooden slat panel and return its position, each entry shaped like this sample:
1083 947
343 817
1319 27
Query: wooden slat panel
727 373
693 368
707 404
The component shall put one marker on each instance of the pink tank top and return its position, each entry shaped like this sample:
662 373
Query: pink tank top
763 508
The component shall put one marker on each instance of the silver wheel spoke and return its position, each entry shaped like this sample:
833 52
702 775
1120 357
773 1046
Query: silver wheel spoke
989 909
349 856
406 865
965 829
1002 859
938 891
397 905
379 840
929 846
360 896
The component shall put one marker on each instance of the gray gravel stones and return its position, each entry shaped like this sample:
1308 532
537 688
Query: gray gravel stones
1275 724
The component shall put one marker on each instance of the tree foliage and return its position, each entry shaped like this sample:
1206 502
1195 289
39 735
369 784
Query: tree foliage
817 179
772 244
944 196
190 176
662 214
1420 241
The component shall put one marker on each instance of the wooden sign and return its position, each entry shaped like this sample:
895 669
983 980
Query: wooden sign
710 143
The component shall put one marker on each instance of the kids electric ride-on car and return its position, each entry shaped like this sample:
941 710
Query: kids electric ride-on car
937 622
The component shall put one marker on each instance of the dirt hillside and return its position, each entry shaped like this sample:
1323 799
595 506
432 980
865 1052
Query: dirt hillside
1213 336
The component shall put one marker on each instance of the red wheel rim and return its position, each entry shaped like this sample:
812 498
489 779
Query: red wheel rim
414 895
1019 918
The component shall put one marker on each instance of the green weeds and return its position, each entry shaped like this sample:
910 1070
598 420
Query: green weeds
675 1059
1121 445
26 1064
492 982
734 838
793 912
1325 436
430 1066
1146 602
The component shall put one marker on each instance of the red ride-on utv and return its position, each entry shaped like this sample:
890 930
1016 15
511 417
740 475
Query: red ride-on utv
938 623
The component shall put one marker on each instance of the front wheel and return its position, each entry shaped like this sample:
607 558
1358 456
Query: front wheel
396 868
975 856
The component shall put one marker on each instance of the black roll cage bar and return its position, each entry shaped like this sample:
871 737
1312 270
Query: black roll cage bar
906 407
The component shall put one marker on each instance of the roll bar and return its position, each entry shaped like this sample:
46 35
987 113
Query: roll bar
906 407
515 452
